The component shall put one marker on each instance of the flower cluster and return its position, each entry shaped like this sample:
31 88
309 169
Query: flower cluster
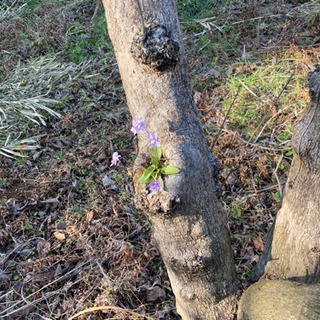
157 169
138 125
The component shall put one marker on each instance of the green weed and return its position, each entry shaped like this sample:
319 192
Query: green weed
233 209
27 226
266 99
85 41
33 4
11 263
196 9
236 210
15 277
277 196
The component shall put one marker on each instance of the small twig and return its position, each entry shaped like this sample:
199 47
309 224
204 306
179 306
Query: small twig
224 120
204 46
248 89
105 275
260 147
28 303
265 125
255 192
275 173
283 88
20 245
278 111
255 131
40 316
96 10
237 22
3 313
6 315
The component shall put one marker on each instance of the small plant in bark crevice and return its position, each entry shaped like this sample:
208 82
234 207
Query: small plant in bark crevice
155 172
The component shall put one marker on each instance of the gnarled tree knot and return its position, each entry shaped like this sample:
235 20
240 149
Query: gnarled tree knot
155 48
157 202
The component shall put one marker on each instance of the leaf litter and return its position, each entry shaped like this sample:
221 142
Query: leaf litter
71 241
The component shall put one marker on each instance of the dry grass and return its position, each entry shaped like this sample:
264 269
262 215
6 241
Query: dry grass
25 97
304 13
11 9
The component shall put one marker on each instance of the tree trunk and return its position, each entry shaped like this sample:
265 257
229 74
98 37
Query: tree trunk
295 250
189 225
292 251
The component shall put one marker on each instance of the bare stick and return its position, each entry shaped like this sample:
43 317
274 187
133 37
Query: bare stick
278 111
224 120
275 173
98 5
283 88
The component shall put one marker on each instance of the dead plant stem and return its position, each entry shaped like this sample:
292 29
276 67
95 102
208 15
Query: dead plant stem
225 119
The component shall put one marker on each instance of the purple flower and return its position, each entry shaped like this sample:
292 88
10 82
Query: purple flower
156 186
115 159
153 140
138 125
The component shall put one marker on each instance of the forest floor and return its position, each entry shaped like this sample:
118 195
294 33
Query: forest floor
71 238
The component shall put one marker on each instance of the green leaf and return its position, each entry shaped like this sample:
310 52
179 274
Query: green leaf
277 196
156 152
162 185
170 170
153 152
159 151
11 263
154 160
146 176
156 174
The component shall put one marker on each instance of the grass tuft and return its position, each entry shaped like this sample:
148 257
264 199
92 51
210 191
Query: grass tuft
11 9
268 102
27 94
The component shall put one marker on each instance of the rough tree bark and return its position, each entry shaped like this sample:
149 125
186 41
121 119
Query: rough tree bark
189 225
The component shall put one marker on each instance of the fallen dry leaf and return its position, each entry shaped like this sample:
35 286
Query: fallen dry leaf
60 236
258 243
89 216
